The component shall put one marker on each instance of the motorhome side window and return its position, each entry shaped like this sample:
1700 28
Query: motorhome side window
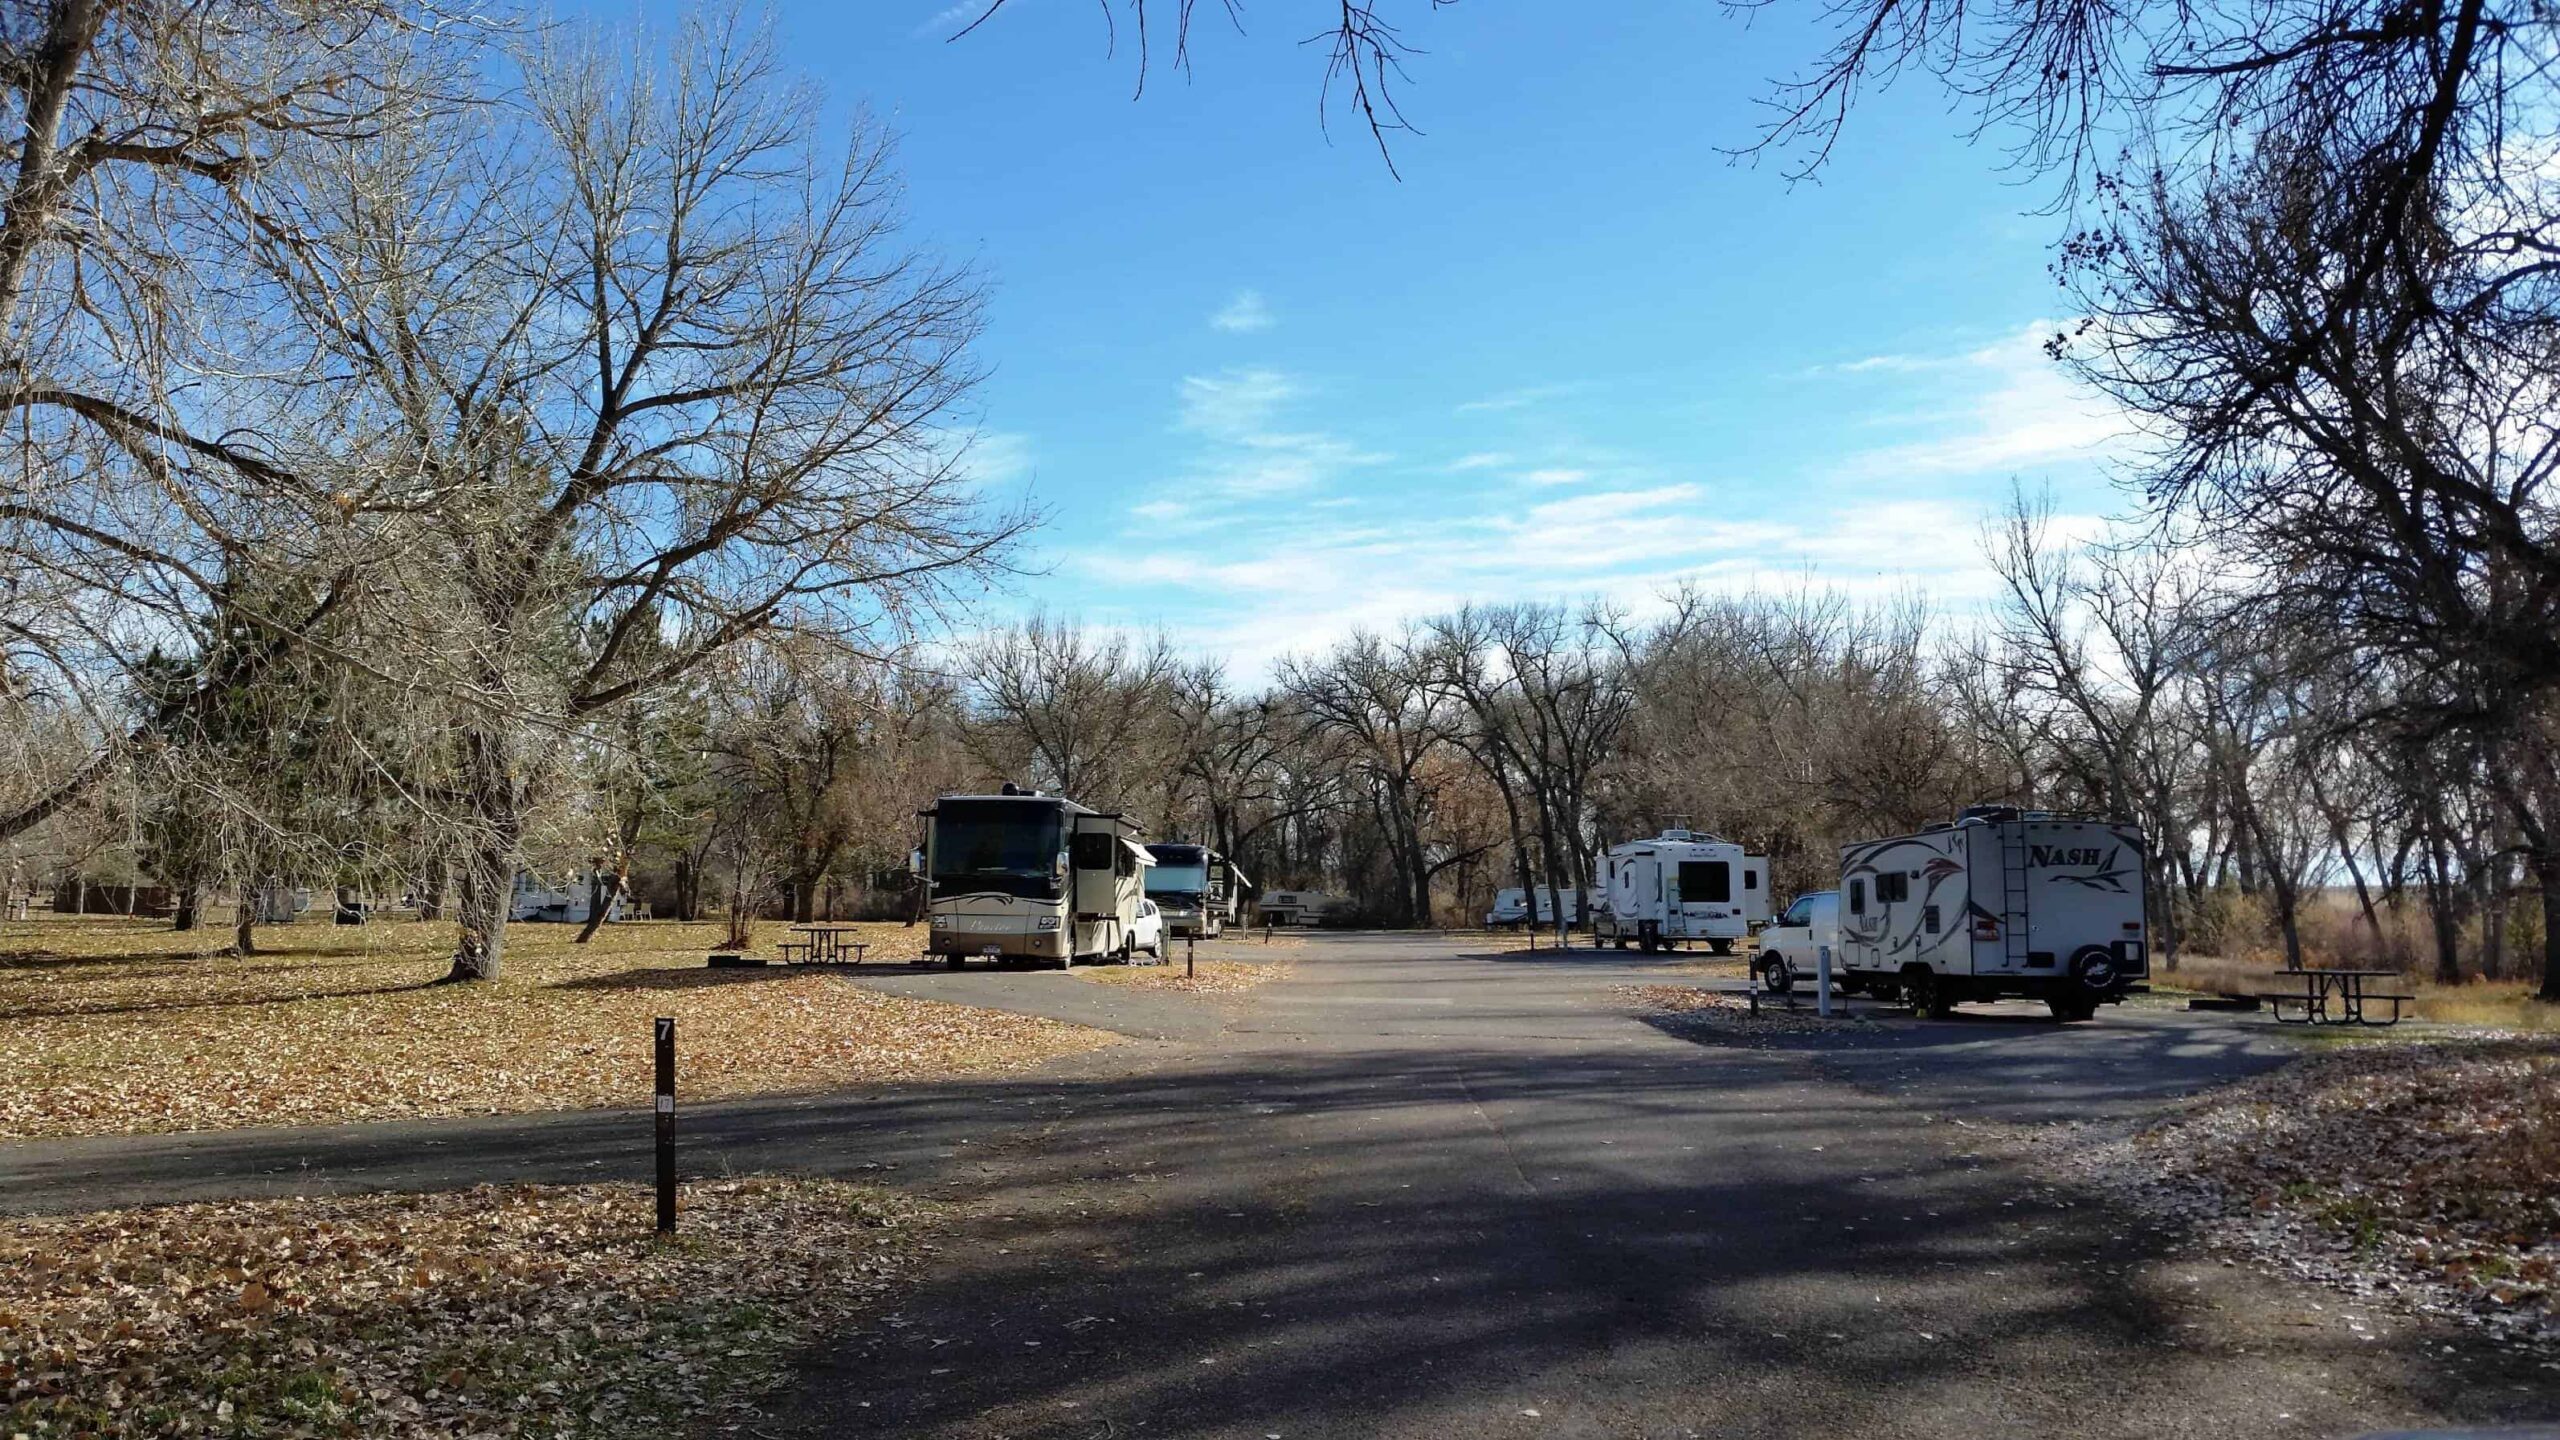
1857 897
1893 888
1094 851
1708 880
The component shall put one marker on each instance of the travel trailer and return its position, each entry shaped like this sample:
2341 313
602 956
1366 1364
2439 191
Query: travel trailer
569 904
2001 902
1680 886
1511 907
1300 907
1023 876
1199 891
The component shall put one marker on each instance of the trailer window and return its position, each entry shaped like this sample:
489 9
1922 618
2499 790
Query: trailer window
1750 878
1857 897
1892 888
1708 880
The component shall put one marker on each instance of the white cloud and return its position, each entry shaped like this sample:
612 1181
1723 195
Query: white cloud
1557 475
1160 510
1520 399
1480 460
1250 453
1245 314
952 17
2008 407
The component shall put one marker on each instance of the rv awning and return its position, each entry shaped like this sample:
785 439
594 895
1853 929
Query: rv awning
1138 850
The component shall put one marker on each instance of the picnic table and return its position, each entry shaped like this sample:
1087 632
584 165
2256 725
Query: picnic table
826 945
2333 997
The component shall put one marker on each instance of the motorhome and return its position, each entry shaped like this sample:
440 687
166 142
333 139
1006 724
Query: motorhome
2000 902
1512 907
569 904
1677 887
1199 891
1300 907
1022 876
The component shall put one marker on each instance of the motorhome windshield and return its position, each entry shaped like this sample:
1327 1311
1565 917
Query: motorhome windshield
1006 846
1179 870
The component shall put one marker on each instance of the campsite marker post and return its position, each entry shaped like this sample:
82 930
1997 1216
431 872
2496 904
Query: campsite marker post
1822 979
666 1120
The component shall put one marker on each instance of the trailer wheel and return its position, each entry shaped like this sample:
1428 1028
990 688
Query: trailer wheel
1775 977
951 960
2069 1008
1721 947
1930 998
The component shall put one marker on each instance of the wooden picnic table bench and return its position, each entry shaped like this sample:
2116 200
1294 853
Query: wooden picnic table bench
2310 1002
827 944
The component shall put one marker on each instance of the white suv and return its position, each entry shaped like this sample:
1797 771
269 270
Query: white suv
1789 949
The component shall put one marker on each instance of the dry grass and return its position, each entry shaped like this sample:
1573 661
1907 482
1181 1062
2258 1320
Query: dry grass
523 1310
1214 977
111 1026
1716 1010
2500 1005
2441 1162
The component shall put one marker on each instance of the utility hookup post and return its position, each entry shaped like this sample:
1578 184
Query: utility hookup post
1190 956
1822 980
666 1125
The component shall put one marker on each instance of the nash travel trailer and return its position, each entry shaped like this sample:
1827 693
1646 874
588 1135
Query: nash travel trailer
2002 902
1199 891
1033 877
1680 886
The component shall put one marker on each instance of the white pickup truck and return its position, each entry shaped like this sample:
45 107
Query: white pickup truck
1790 949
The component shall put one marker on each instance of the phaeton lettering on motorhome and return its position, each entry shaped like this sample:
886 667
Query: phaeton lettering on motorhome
1023 876
1680 886
2001 902
1199 891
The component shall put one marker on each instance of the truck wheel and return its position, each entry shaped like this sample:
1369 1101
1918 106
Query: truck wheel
1775 977
1721 947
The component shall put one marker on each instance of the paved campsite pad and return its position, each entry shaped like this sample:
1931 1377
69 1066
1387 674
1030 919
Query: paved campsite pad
1414 1190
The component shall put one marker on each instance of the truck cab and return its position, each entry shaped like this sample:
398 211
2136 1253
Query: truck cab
1791 947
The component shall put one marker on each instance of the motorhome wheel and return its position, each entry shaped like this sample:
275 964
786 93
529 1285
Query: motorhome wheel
1775 977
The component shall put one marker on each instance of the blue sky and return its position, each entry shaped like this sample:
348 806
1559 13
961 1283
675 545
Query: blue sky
1269 392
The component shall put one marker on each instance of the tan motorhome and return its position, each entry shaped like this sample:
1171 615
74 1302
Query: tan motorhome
1026 877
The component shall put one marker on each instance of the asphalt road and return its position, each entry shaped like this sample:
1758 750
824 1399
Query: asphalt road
1414 1191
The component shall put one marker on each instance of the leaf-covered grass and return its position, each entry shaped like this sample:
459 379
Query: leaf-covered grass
527 1310
112 1026
2439 1159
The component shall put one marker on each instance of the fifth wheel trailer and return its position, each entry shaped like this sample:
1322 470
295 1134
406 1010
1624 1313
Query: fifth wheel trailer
1023 876
2002 902
1680 885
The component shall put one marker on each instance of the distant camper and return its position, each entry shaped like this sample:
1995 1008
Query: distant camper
1680 886
2001 902
1301 907
1199 891
533 902
1023 876
1512 907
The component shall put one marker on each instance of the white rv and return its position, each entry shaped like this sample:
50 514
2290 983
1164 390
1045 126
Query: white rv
1199 891
1678 886
2001 902
570 904
1027 876
1300 907
1514 907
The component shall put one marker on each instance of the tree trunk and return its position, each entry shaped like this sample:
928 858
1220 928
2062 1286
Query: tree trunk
487 884
431 890
244 923
603 888
2546 873
2443 909
189 899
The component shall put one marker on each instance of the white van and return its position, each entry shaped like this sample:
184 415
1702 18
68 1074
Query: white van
1678 886
2001 902
1791 949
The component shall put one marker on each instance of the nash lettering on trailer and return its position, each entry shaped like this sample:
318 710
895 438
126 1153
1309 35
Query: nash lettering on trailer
2103 873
